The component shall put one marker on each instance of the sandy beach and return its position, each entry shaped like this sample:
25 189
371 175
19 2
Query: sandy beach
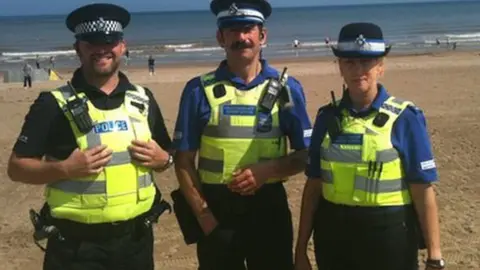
444 85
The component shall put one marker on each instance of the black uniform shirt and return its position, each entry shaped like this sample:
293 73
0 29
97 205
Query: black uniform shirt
46 130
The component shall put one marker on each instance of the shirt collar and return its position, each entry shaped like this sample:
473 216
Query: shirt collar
382 96
222 73
79 82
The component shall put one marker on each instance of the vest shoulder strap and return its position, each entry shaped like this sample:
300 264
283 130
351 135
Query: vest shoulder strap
208 79
140 95
140 89
395 106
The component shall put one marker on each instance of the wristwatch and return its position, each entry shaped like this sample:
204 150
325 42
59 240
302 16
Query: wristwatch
435 264
168 164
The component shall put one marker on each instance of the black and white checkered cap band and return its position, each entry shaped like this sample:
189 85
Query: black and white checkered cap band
100 25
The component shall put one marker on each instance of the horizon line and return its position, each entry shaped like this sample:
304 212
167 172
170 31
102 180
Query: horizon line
280 7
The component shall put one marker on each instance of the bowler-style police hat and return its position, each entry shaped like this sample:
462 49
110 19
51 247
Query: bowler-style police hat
233 13
98 23
361 40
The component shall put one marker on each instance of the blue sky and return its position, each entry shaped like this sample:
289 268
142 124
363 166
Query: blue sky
34 7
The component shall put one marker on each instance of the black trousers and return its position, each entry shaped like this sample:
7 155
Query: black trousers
27 80
123 246
254 230
382 241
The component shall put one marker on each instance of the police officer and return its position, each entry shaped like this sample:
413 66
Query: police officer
370 170
95 144
237 191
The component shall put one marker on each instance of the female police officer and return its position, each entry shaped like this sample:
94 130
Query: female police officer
370 161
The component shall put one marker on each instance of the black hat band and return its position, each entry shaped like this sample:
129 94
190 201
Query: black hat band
363 45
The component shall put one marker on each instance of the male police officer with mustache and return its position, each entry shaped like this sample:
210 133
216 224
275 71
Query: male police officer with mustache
102 143
237 192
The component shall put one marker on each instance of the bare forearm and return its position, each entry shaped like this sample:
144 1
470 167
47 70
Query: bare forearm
427 210
35 171
286 166
189 182
311 196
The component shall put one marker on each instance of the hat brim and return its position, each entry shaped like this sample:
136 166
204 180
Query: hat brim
359 54
236 23
101 38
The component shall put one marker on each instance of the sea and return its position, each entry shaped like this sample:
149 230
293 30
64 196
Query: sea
189 36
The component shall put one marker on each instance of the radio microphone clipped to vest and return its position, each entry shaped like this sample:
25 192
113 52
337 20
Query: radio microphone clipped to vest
274 90
78 108
334 126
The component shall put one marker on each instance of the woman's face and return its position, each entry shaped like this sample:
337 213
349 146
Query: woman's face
361 74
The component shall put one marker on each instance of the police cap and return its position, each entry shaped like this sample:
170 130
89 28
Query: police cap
231 13
361 40
98 23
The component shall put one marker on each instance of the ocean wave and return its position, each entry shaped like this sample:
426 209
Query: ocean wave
39 53
198 49
180 46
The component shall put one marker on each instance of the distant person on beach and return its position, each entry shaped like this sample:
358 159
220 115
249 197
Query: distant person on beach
327 41
237 191
369 198
37 62
96 145
437 41
151 65
127 57
27 75
52 62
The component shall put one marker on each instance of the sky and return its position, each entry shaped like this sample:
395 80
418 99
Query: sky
38 7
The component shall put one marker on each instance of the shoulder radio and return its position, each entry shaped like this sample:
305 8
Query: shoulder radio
78 108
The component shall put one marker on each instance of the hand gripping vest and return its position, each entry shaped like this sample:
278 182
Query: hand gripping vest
231 140
362 168
123 190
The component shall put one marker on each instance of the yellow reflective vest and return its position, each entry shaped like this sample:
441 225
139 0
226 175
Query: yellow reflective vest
123 190
361 167
236 134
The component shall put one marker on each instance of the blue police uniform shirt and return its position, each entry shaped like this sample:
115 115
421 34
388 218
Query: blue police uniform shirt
409 137
194 110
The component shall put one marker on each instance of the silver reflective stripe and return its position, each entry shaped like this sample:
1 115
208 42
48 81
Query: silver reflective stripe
335 154
387 155
145 180
210 165
120 158
94 187
93 139
80 187
379 186
397 101
370 185
240 132
327 176
224 129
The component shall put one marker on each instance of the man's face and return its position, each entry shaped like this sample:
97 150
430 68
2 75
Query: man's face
102 60
242 42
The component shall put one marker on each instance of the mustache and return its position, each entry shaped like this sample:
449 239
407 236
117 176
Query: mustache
240 45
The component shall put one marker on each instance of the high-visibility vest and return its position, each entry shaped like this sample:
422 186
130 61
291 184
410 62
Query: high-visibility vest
237 135
361 167
123 190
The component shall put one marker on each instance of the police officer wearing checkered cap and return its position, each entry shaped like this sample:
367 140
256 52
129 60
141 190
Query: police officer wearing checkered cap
371 171
95 144
237 191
